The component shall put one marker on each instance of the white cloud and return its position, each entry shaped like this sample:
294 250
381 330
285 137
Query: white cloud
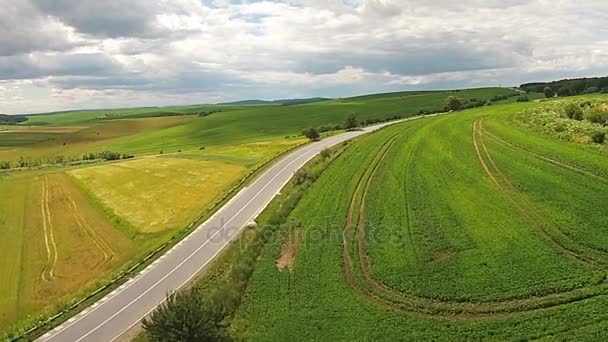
123 52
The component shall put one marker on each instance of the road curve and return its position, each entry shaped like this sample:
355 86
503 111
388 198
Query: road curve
119 311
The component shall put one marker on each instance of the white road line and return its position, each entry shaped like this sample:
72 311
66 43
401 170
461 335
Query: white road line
193 253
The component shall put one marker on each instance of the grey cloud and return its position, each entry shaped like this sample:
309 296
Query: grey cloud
33 66
23 29
114 18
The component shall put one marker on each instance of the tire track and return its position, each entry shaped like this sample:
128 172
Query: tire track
381 295
551 161
48 272
99 241
565 244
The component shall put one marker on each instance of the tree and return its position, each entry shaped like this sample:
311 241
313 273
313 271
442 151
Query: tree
185 316
453 103
351 122
549 92
311 134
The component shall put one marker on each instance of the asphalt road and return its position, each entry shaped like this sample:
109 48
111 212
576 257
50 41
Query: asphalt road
119 311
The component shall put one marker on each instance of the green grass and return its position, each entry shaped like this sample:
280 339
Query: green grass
275 122
242 137
88 116
500 242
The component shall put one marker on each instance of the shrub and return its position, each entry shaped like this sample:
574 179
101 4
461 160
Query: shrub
596 115
453 103
185 316
523 98
549 92
351 122
598 137
311 134
573 111
564 92
591 90
325 153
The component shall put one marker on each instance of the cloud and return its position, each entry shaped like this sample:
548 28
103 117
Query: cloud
107 52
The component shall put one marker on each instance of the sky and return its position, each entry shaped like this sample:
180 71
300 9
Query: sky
65 54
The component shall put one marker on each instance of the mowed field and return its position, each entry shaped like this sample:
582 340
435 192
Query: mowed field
459 227
54 245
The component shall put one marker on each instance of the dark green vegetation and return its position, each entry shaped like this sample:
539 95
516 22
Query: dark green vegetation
287 102
568 87
185 316
11 119
582 120
463 226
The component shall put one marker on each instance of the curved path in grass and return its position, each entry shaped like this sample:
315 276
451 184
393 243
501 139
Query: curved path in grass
118 312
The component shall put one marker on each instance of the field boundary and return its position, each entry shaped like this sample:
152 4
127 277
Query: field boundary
80 304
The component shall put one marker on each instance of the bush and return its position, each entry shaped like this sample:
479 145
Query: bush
523 98
596 115
453 103
564 92
591 90
325 153
573 111
598 137
185 316
351 122
312 134
549 92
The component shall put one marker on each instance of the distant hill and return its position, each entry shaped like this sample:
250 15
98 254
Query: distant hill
569 87
11 119
284 102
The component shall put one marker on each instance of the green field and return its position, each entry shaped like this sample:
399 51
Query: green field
111 214
465 226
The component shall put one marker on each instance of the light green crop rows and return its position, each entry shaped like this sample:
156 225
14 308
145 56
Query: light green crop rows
463 226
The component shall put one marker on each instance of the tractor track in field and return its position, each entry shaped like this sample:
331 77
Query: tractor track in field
48 272
102 245
379 294
565 244
561 164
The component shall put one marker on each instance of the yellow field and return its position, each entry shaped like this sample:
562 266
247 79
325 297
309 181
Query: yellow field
54 244
159 193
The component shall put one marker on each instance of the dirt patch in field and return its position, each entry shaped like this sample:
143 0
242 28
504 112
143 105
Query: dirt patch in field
441 257
289 251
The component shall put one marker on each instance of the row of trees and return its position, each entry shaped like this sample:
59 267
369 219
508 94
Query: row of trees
314 134
12 119
568 87
62 160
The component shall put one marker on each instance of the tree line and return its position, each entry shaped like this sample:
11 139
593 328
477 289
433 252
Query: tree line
62 160
568 87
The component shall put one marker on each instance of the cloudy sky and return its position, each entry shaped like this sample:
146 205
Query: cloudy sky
67 54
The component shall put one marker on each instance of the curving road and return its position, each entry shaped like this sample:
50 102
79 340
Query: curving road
119 311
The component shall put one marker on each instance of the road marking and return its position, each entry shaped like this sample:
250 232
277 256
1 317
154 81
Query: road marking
193 253
326 143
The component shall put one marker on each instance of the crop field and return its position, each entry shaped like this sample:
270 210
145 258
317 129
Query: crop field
73 223
54 244
275 122
46 142
461 226
173 189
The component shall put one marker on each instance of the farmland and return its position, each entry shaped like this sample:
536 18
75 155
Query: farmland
466 225
74 223
55 244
